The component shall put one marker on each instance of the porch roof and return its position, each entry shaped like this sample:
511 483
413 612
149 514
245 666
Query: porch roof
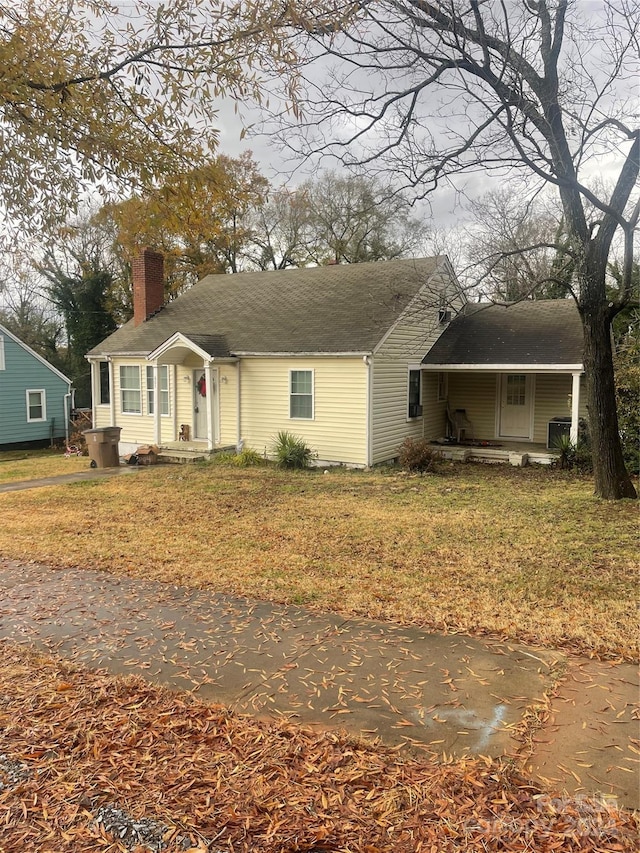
544 334
208 347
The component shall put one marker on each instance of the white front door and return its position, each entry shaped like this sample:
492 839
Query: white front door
200 402
516 397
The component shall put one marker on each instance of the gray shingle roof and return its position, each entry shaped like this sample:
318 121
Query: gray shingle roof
342 308
530 332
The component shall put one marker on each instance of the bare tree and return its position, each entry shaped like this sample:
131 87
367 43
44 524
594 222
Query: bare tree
512 248
444 91
353 219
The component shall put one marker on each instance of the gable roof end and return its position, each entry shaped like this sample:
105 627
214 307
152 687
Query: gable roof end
37 356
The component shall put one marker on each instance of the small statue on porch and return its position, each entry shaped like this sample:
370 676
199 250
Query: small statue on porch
185 432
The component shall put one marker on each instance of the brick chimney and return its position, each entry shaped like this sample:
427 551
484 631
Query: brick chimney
147 272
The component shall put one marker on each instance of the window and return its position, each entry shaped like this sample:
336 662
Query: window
163 380
301 394
130 390
415 394
516 389
1 353
443 387
36 405
105 387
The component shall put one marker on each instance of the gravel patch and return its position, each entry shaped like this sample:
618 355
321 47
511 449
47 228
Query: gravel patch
12 772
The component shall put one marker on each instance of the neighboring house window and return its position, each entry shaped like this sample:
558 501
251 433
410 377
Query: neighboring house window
443 387
415 394
36 405
163 379
105 387
1 353
130 397
301 394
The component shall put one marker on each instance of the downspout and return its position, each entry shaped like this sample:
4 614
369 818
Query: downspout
238 410
367 360
67 407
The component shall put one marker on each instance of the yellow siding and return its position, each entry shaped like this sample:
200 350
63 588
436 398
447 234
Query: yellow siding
227 432
406 346
477 393
434 410
338 429
552 401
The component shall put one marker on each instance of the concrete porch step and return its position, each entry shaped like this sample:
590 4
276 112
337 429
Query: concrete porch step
185 453
181 457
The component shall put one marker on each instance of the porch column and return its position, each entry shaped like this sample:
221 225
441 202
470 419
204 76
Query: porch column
112 393
157 423
95 390
208 378
575 407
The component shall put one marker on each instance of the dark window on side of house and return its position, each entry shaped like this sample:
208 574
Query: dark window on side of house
415 394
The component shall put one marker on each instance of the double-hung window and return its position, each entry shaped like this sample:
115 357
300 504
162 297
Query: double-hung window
130 396
414 407
36 405
163 383
301 394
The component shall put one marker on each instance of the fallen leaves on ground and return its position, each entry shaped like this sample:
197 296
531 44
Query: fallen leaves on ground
522 554
83 754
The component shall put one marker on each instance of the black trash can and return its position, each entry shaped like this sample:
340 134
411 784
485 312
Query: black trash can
102 444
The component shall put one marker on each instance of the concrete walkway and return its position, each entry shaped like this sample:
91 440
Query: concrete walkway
435 694
74 477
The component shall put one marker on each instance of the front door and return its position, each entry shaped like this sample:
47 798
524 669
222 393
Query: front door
200 402
515 405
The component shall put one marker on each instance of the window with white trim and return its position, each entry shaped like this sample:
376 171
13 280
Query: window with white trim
2 367
105 385
414 407
130 396
301 394
443 387
163 381
36 405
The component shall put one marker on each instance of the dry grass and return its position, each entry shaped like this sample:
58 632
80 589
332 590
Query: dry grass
176 774
521 553
32 464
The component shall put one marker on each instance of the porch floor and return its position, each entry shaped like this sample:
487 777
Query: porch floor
494 450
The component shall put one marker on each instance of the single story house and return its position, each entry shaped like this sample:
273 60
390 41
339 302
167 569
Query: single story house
35 398
338 355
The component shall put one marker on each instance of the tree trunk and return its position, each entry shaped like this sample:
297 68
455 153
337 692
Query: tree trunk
612 480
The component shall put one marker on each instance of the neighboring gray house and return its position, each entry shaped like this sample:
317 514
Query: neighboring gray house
35 398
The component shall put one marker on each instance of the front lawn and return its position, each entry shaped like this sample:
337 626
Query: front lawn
527 554
32 464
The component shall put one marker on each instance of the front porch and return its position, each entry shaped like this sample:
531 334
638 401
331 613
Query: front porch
517 453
